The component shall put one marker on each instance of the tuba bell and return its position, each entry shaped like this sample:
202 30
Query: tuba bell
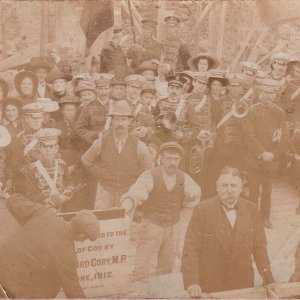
240 109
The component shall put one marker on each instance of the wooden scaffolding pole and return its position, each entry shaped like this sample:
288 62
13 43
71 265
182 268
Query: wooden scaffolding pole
44 27
221 31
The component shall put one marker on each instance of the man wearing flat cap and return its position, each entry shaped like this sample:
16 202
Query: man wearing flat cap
147 47
266 136
40 258
279 65
175 51
163 192
117 158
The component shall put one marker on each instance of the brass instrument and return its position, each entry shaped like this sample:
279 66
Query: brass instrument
197 151
239 109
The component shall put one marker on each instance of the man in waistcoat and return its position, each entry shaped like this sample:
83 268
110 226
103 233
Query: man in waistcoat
164 191
117 158
224 233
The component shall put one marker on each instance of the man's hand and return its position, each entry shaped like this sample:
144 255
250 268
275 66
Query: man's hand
272 291
127 204
194 290
267 156
297 157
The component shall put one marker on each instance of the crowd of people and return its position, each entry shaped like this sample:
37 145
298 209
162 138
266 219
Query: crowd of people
154 131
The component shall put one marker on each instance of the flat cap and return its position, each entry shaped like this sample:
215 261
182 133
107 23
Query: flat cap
103 78
176 80
136 80
250 67
171 146
49 105
87 223
149 22
69 100
47 136
117 81
281 57
172 19
34 108
84 86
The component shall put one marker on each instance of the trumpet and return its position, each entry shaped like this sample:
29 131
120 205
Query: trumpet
239 109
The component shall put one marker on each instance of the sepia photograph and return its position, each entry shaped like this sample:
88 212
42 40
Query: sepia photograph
150 149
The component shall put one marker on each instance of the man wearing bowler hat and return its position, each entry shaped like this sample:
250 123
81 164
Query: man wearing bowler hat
40 258
163 191
147 47
116 159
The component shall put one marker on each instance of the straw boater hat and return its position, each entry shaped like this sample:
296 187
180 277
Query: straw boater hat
5 137
49 105
213 62
120 108
24 74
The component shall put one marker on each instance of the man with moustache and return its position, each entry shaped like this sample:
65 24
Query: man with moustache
117 158
266 136
164 192
224 233
93 116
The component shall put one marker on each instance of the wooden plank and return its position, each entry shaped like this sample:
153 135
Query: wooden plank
221 31
136 16
285 290
160 18
253 54
100 214
196 28
243 46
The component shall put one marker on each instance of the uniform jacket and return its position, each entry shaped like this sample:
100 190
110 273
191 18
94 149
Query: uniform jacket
260 126
153 51
40 259
218 257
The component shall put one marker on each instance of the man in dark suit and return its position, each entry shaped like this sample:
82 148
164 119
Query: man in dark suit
224 233
266 136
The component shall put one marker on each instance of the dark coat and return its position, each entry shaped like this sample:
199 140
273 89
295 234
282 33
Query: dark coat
217 257
260 125
40 259
113 59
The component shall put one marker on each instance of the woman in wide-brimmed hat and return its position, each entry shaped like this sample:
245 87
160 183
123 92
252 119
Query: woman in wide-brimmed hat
12 115
26 84
40 66
202 62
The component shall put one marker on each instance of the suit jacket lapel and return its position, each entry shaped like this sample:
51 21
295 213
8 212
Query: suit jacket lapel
221 226
241 227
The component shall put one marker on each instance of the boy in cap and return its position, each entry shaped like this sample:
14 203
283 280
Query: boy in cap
265 137
164 192
116 159
118 88
92 117
40 259
133 89
47 177
175 52
279 64
86 91
147 47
